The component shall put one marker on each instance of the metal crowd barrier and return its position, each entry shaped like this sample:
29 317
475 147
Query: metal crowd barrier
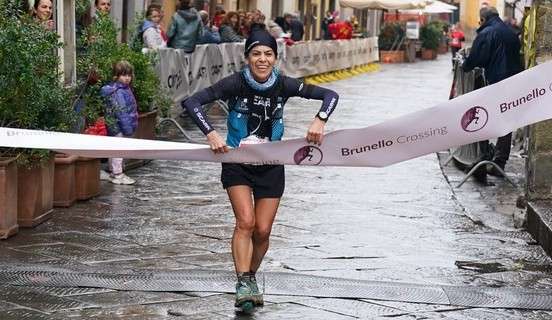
474 156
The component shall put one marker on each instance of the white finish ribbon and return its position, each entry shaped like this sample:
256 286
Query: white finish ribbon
479 115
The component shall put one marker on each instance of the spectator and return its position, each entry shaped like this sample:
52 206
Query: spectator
354 23
496 49
281 22
219 15
340 29
328 19
102 7
210 35
121 114
275 30
186 28
229 28
42 13
456 39
258 21
152 34
245 21
294 26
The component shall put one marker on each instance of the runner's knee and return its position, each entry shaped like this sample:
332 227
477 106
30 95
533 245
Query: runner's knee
262 233
245 225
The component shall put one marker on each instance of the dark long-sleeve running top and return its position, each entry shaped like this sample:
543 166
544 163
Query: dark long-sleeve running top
253 111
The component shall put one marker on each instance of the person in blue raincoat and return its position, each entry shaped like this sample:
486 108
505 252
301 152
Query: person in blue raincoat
121 113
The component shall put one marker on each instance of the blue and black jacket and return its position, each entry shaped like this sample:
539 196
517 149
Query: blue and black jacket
496 48
255 111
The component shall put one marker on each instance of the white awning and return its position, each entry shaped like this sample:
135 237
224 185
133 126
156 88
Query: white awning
385 4
435 7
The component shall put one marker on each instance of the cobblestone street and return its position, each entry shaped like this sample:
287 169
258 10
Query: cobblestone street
403 223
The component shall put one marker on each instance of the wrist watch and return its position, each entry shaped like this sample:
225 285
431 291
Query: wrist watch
322 116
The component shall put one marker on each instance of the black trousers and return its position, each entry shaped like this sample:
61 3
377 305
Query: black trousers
502 150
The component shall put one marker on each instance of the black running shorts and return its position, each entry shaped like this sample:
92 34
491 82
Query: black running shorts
267 181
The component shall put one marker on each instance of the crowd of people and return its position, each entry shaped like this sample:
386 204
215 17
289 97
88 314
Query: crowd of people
190 27
334 28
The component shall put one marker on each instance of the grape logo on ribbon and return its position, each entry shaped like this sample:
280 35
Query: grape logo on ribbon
474 119
308 155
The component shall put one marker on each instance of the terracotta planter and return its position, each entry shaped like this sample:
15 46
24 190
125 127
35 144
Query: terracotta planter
8 198
429 54
87 178
392 56
146 130
146 125
65 192
35 193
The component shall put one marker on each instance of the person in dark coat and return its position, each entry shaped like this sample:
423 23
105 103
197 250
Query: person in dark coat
294 26
496 49
328 19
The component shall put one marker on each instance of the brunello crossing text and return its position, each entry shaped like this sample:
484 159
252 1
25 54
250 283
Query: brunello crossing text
534 94
385 143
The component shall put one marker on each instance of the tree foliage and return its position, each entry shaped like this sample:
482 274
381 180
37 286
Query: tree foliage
32 95
430 35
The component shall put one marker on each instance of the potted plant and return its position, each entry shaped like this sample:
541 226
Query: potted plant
430 36
31 97
390 43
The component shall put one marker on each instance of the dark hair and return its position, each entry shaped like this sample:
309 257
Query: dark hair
151 8
228 16
487 13
37 2
123 68
185 5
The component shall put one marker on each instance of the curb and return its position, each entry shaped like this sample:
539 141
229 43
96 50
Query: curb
539 223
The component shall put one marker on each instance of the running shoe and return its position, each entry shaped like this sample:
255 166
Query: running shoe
243 294
255 294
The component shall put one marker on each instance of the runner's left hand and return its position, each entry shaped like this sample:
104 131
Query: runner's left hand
315 134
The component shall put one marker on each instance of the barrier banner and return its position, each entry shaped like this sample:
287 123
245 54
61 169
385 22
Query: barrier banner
186 73
486 113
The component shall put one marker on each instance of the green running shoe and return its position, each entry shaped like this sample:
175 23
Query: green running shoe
255 294
243 294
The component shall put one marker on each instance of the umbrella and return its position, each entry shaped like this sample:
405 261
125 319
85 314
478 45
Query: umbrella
385 4
435 7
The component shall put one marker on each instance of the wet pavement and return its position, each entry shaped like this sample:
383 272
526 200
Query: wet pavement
403 223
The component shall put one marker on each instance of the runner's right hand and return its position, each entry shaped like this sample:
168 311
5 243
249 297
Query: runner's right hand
217 143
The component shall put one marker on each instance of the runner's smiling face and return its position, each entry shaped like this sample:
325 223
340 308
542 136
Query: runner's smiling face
261 60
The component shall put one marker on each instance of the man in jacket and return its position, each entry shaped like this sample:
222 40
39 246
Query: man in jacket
186 28
496 49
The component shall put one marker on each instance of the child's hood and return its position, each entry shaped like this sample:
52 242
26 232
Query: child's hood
146 25
110 88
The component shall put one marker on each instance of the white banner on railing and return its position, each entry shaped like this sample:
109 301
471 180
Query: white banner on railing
184 74
479 115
